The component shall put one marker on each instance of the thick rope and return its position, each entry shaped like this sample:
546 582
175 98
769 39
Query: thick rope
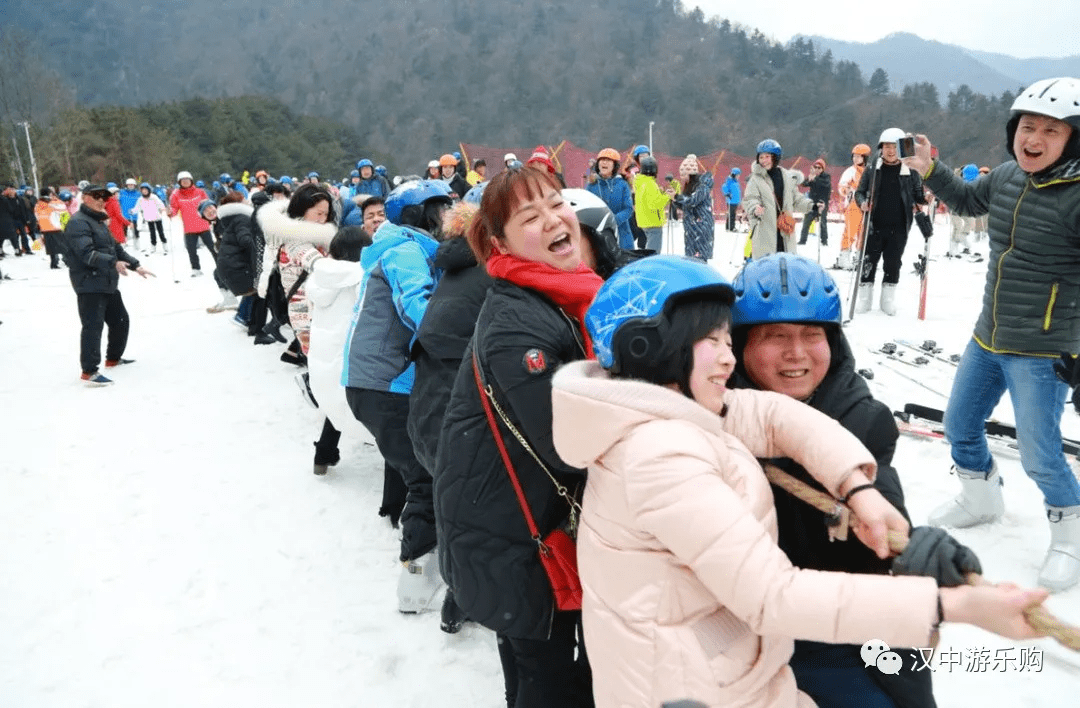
1037 616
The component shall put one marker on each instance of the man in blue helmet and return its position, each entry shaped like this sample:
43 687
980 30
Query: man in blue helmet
370 183
732 195
399 277
786 338
128 197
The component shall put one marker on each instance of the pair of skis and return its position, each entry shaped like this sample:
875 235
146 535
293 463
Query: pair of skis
932 420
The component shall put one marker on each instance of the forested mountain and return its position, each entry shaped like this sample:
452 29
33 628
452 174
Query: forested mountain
415 77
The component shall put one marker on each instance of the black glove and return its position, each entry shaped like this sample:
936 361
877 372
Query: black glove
925 225
933 552
1067 370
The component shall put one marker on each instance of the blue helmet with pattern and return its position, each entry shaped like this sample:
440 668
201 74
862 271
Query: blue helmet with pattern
354 173
640 150
970 173
784 287
628 319
474 195
415 193
365 163
380 169
736 171
313 175
771 147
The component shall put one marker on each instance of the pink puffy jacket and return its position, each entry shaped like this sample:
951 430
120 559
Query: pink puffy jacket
686 593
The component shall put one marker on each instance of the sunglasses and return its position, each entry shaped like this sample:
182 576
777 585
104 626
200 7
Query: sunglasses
101 196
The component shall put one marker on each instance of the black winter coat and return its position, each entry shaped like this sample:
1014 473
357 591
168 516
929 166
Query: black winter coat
844 396
441 342
820 188
91 253
911 191
236 260
485 551
9 211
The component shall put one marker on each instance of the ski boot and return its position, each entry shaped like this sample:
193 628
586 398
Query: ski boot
979 502
420 585
1061 569
888 298
864 298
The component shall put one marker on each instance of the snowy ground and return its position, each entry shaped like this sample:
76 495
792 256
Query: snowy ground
163 541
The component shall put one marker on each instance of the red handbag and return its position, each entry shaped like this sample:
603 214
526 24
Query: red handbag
557 550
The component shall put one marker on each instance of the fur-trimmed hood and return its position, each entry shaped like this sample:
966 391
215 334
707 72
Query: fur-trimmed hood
235 209
279 230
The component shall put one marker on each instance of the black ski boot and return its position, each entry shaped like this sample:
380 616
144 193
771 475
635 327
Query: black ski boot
452 616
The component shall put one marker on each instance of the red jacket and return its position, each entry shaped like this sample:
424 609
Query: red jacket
117 223
186 203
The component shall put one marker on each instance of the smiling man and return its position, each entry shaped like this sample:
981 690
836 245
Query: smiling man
786 337
1029 316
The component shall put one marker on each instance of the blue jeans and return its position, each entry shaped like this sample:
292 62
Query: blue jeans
654 238
1038 399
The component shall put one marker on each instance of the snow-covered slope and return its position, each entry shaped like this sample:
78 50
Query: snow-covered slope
163 541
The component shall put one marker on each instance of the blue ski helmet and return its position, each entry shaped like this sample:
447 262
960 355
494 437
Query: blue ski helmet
354 173
770 146
215 185
639 150
65 196
474 195
784 287
145 184
970 173
380 169
285 179
200 184
313 174
414 193
628 319
736 171
109 186
365 163
225 178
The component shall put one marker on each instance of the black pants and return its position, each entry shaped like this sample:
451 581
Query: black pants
823 227
52 247
95 311
386 416
731 209
257 320
24 238
548 673
639 234
191 241
886 241
155 226
326 448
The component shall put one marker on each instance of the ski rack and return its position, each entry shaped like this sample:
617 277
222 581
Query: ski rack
935 415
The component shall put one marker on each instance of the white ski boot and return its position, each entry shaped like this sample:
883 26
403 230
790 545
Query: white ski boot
1061 569
864 298
228 302
888 298
843 261
420 586
979 502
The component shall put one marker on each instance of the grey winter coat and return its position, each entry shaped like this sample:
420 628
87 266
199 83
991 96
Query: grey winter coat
91 253
1030 303
760 192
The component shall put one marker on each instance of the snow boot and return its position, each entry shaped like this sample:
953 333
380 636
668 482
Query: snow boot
888 298
954 249
228 302
195 273
453 618
979 502
864 298
843 261
420 585
1061 569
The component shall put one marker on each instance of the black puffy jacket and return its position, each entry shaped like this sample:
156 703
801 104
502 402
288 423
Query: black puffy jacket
485 551
843 396
911 191
441 342
236 260
91 252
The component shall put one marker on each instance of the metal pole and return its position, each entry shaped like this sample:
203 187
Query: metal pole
650 137
18 157
30 148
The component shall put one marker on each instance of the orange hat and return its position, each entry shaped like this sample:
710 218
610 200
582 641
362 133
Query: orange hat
609 153
447 160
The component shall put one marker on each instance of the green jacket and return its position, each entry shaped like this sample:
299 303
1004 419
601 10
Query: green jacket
649 202
1031 302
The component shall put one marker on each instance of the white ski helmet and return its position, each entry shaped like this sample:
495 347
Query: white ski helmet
180 176
509 157
1057 98
891 135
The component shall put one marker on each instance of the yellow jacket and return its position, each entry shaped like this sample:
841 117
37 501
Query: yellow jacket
649 202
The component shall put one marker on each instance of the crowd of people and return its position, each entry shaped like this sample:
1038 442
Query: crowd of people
554 399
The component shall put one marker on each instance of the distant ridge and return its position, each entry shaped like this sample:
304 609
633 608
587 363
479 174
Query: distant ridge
910 59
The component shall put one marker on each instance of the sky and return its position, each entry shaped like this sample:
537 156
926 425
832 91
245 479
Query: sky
986 25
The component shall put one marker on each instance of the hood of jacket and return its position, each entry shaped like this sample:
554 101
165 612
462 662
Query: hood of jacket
454 255
1065 171
389 235
330 279
280 230
583 391
234 209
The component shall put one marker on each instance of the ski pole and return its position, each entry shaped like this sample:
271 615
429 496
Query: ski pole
1037 616
864 236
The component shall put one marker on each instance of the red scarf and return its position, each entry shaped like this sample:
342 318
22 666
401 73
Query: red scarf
573 291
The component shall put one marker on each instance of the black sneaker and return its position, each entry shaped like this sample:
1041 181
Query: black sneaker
112 363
